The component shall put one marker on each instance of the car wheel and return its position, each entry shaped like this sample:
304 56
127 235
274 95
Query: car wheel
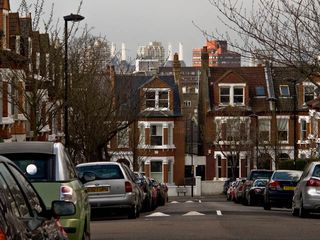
266 205
86 234
302 211
133 212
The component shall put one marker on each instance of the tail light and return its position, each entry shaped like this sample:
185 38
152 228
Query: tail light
2 235
128 187
313 182
67 194
274 185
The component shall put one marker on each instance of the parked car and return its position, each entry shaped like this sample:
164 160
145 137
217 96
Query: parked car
306 197
111 185
49 168
162 189
230 191
238 190
279 191
256 192
253 175
23 214
147 191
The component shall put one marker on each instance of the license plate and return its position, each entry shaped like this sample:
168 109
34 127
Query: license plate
98 189
287 188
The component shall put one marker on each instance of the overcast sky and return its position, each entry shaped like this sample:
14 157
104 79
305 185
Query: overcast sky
138 22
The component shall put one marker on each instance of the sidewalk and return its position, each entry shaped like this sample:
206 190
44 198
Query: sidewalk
211 198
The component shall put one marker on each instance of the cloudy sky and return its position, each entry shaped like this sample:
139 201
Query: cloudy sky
138 22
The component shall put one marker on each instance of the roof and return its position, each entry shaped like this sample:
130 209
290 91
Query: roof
253 77
136 82
28 147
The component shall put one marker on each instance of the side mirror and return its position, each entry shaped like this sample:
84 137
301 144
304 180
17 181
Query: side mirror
63 208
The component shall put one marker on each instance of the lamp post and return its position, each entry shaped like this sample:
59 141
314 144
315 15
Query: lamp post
68 18
256 135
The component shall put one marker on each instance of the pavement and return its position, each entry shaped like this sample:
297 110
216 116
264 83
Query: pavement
207 198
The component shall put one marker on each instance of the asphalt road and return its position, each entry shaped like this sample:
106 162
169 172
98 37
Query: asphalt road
207 218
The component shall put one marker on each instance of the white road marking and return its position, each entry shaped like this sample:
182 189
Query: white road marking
158 214
193 213
174 202
219 213
189 201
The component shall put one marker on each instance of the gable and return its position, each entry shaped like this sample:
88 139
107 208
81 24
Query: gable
231 77
156 82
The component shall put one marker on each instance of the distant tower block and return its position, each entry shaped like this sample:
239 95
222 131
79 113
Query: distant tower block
170 52
180 51
113 50
123 52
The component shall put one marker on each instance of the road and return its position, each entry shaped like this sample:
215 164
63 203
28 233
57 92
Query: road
201 219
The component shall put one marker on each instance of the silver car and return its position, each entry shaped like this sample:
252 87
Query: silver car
111 185
307 193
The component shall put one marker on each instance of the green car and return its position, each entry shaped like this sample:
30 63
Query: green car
52 173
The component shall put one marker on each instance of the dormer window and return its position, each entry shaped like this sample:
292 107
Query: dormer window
260 91
231 94
284 91
308 93
157 99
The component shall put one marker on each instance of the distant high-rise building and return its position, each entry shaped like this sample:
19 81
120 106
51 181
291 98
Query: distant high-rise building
154 51
219 55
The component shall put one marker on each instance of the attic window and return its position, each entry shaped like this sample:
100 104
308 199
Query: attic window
157 99
284 91
260 91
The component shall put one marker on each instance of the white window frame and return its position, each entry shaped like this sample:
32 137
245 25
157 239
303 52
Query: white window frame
281 88
286 128
157 100
232 94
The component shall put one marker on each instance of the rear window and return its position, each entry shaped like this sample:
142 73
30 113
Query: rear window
36 166
260 174
287 176
102 171
316 171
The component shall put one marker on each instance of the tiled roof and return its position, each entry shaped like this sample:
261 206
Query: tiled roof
252 76
134 83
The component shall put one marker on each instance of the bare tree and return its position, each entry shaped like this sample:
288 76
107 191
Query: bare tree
233 137
100 107
279 31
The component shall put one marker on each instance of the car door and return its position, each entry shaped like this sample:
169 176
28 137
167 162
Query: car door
27 205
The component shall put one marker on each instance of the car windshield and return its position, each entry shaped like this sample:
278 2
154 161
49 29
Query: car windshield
260 183
287 176
260 174
102 171
36 166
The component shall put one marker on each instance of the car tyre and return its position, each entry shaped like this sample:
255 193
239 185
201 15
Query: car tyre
302 211
133 212
266 205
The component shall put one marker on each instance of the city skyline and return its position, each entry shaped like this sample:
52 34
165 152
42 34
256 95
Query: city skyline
140 22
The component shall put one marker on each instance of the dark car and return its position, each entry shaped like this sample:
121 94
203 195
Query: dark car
253 175
280 189
256 192
23 214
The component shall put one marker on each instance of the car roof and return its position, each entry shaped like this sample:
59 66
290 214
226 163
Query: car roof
28 147
97 163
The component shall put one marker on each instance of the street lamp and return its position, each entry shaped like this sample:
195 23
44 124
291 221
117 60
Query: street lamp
68 18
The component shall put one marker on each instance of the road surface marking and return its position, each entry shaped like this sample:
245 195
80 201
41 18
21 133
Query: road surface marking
189 201
158 214
174 202
193 213
219 213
